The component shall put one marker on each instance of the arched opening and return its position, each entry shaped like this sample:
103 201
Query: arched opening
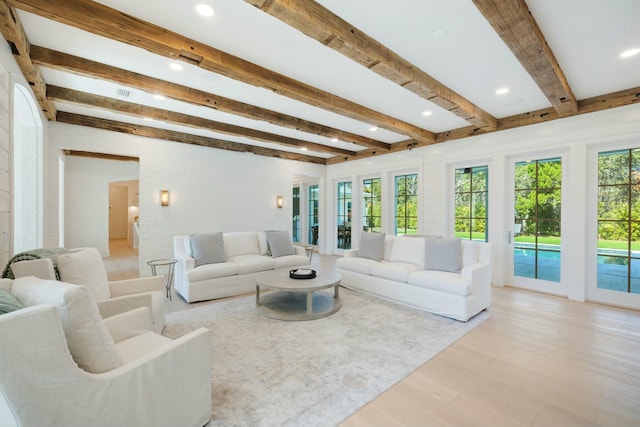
27 172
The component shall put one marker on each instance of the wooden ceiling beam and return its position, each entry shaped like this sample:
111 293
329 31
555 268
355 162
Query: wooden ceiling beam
14 34
69 95
104 156
107 22
515 24
73 64
185 138
321 24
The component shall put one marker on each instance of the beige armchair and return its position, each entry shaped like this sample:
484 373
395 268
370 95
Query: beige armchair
84 266
61 364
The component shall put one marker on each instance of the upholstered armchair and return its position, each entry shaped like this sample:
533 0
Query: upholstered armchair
62 364
84 266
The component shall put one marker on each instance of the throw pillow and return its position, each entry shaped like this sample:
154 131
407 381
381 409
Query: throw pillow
8 302
85 267
443 253
408 249
90 344
371 245
280 243
208 248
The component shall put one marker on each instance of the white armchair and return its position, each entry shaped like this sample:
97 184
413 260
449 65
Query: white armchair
139 378
84 266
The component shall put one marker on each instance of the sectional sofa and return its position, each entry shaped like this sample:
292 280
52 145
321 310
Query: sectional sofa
445 276
217 265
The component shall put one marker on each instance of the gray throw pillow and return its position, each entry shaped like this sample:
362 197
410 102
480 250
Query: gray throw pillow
8 302
371 245
207 248
280 243
443 253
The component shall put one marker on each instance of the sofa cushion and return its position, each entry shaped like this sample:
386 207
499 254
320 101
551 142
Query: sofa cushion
443 254
241 243
89 342
140 345
213 271
356 264
371 245
291 261
396 271
85 267
280 243
409 250
253 263
443 281
8 302
207 248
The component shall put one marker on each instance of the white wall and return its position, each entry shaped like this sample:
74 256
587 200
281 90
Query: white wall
576 139
210 190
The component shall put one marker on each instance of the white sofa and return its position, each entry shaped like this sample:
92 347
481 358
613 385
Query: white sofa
62 364
400 275
246 254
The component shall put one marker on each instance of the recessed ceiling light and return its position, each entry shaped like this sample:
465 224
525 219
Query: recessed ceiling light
334 140
159 97
629 53
373 128
204 10
303 148
148 119
502 91
427 113
176 66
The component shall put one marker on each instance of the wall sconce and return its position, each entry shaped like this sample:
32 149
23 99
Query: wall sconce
280 202
164 198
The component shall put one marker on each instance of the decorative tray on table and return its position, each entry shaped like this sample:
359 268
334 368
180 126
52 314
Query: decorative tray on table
302 273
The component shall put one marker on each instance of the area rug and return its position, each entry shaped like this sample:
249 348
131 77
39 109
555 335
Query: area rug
314 373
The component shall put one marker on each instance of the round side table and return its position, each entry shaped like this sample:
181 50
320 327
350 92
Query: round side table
170 263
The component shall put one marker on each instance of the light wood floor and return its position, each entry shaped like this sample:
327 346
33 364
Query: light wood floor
539 360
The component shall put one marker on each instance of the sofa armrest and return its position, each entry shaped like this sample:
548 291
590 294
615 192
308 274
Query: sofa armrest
138 285
128 324
479 275
299 250
122 304
185 261
351 253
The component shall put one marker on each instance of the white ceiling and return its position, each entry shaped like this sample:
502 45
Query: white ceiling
449 40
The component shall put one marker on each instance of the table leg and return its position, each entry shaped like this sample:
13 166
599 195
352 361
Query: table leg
257 294
335 292
309 302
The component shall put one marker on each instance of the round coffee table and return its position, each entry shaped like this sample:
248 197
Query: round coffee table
297 299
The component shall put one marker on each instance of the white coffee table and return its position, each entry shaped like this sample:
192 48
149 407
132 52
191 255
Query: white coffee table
297 299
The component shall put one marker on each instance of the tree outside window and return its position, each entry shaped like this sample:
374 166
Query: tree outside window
406 204
471 196
372 203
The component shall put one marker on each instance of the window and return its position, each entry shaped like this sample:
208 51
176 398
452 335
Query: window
314 200
471 195
406 204
619 221
537 219
295 231
372 203
344 215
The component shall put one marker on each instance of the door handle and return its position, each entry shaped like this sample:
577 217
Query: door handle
509 237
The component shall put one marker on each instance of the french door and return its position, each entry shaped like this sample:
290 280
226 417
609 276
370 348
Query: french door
535 238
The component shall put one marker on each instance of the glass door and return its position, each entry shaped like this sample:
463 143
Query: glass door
535 239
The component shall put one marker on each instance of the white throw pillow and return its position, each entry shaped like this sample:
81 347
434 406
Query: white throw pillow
443 254
89 342
85 267
408 249
241 243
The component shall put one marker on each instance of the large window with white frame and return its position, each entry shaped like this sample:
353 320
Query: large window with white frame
313 212
471 203
372 204
618 248
406 204
344 215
